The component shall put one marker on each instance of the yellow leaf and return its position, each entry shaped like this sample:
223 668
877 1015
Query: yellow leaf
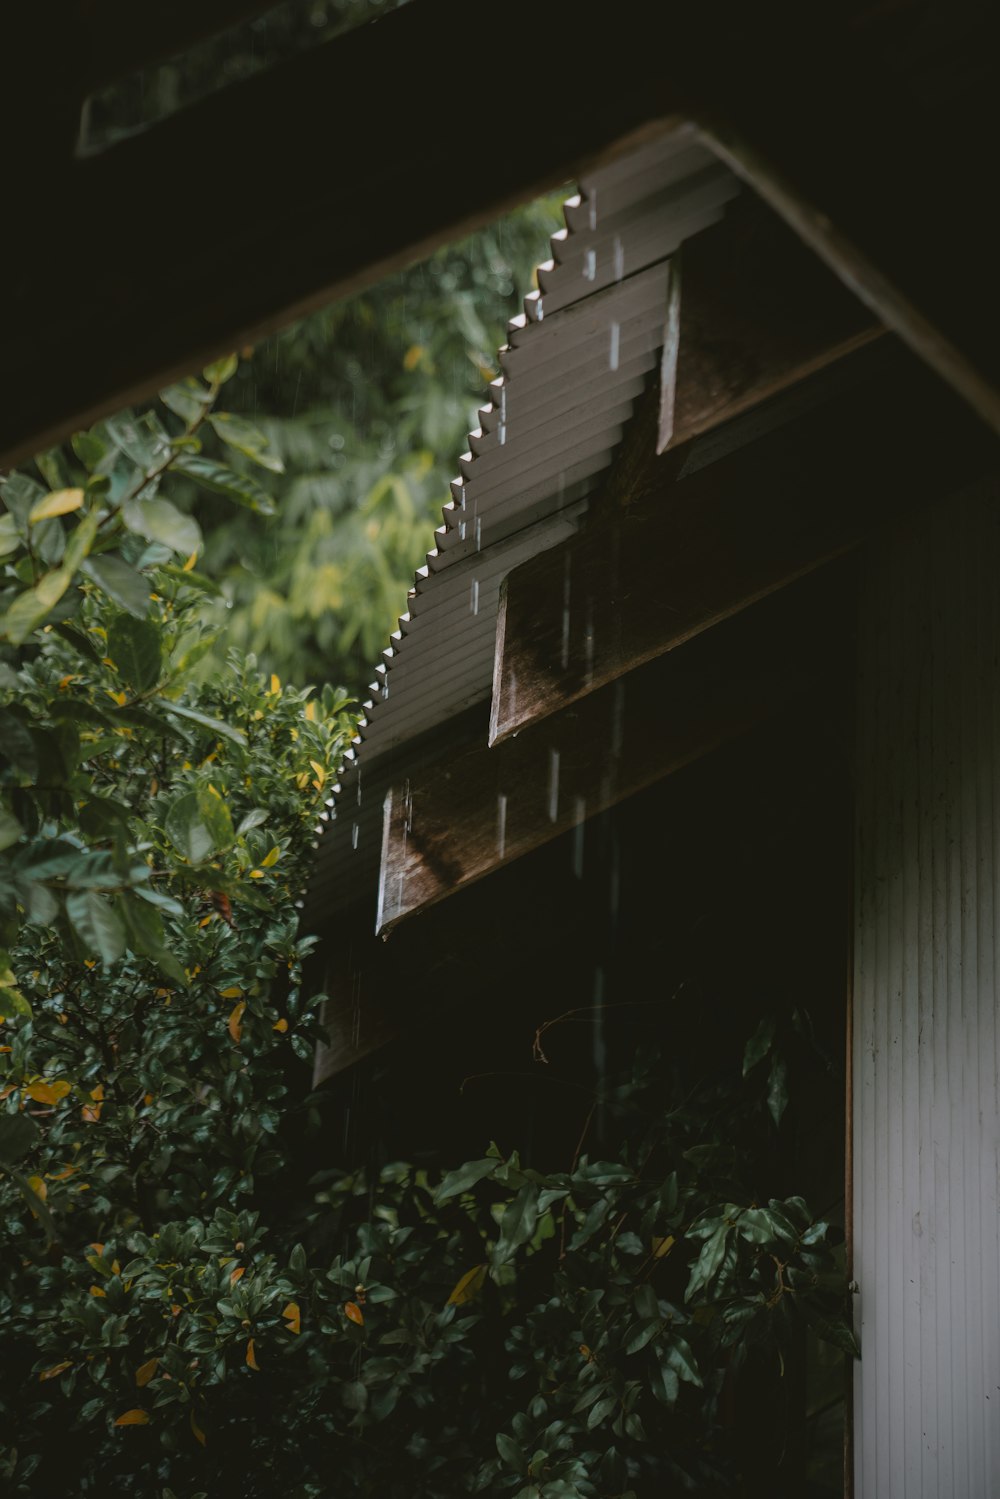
60 1176
662 1247
62 1018
271 858
237 1274
56 1369
205 920
91 1113
234 1023
199 1434
280 1025
37 1185
97 1094
65 681
275 683
354 1313
133 1418
60 502
251 1357
233 992
42 1092
256 874
412 357
320 772
470 1284
145 1372
189 564
97 1248
293 1317
96 1291
310 712
90 962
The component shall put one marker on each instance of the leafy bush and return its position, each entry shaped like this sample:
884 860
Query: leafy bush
185 1308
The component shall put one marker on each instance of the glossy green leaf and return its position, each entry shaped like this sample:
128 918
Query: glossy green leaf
247 439
216 725
123 584
225 481
134 646
158 520
759 1044
464 1178
199 825
18 1135
96 923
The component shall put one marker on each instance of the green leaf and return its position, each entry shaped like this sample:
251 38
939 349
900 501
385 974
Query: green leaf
10 829
512 1452
17 745
191 579
759 1044
777 1088
18 1134
835 1331
96 923
122 584
518 1223
134 646
159 520
247 439
32 607
199 825
188 400
225 481
127 435
464 1177
215 724
19 494
221 370
10 537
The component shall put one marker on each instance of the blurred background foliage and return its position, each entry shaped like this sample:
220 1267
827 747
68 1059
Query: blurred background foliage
366 404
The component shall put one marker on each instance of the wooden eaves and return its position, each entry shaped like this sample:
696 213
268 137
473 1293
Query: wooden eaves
871 128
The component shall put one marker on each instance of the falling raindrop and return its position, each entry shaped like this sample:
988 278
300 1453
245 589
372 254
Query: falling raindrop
589 264
618 254
502 424
564 646
553 784
474 596
616 334
359 786
539 311
354 836
579 817
592 208
461 530
479 534
501 825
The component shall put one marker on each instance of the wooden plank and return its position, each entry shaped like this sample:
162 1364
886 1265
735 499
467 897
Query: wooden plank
695 547
757 310
476 809
216 258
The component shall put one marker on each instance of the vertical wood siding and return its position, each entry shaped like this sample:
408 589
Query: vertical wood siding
926 1069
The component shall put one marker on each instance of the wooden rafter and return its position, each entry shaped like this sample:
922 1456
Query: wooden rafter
457 819
689 546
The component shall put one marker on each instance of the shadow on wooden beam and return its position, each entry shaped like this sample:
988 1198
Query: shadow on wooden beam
698 544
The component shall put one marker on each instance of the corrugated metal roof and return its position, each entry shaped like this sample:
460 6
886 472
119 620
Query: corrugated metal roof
575 362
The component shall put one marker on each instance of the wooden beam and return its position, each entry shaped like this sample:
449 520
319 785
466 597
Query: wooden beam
696 547
756 311
874 134
303 183
873 129
451 822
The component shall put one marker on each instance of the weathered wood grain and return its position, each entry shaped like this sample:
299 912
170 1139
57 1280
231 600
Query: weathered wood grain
758 310
476 809
693 548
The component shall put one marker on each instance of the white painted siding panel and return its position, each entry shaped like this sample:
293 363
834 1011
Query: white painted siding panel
926 1069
